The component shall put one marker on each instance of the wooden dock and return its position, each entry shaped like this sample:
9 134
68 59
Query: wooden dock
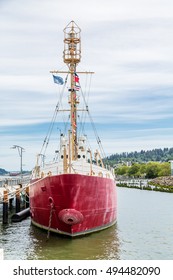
14 193
11 185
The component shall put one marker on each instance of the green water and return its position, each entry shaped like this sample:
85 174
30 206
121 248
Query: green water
24 241
144 230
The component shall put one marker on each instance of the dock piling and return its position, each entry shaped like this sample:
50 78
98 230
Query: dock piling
18 200
5 207
10 203
27 197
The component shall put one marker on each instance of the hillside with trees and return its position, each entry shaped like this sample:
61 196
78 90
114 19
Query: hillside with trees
148 170
156 155
3 171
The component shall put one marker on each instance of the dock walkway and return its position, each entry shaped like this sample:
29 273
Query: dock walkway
11 185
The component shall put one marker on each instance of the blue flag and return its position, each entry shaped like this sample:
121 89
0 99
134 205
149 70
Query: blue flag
58 80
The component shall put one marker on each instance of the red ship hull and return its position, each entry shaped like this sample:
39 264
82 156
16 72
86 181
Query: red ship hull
73 204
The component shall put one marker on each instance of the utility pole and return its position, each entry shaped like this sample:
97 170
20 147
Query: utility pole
20 151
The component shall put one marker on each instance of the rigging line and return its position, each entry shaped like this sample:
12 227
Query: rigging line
87 99
63 114
94 128
66 124
46 141
89 145
49 129
65 120
47 138
86 94
80 125
56 112
83 113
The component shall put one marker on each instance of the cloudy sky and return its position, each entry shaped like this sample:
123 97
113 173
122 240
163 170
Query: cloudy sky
127 43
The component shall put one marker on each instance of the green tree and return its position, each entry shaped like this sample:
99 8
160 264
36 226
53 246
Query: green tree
152 170
164 169
122 170
148 170
134 170
143 168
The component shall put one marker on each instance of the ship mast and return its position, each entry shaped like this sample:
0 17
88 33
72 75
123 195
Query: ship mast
72 56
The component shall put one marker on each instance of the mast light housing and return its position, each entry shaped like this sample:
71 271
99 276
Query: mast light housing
72 44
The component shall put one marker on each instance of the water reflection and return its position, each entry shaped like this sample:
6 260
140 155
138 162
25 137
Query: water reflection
96 246
144 231
22 241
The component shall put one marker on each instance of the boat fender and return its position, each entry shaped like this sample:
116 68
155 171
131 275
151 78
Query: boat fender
18 217
42 174
70 216
49 173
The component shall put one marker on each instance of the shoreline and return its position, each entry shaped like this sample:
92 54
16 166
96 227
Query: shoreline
149 185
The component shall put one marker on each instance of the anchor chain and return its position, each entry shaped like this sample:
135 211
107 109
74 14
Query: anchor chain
50 220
